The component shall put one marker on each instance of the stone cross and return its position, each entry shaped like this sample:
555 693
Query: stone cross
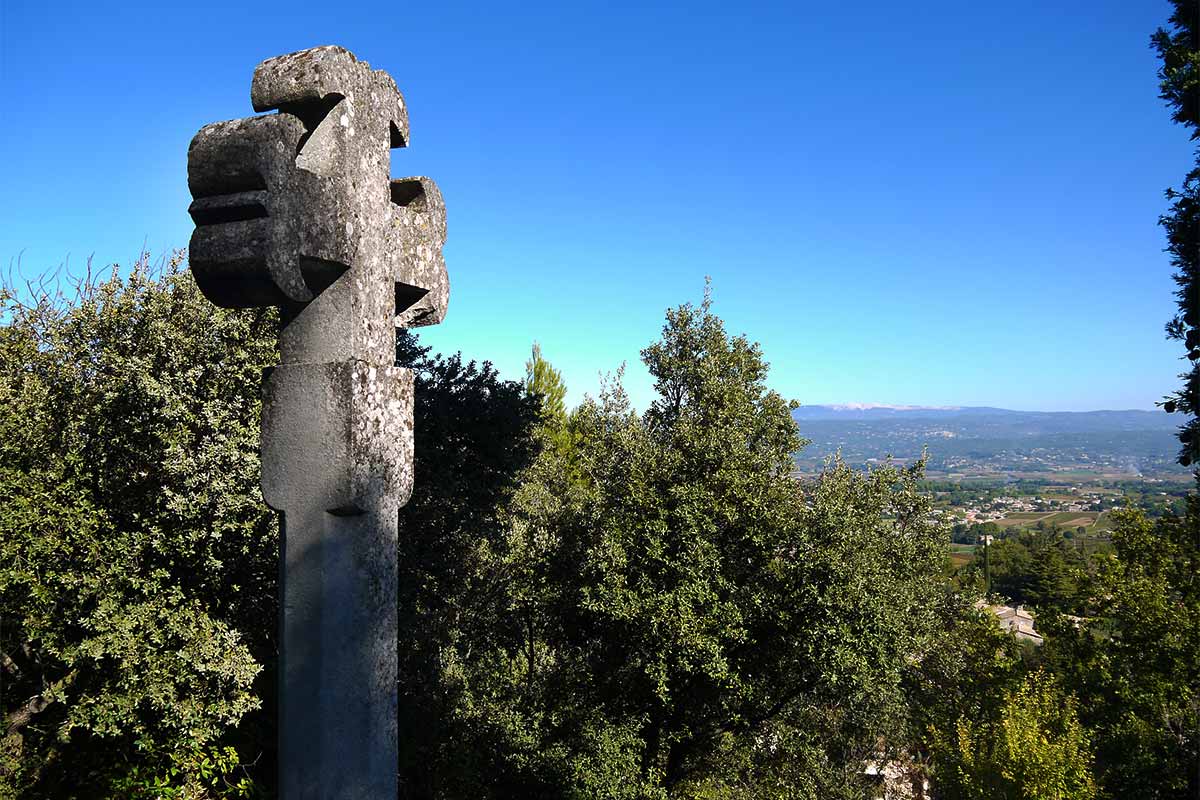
297 209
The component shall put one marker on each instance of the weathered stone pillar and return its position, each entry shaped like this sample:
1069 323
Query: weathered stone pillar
297 209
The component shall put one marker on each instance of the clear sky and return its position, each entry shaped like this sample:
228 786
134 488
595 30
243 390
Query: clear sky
926 203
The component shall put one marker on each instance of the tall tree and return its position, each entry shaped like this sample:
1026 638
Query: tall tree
705 625
546 382
1178 47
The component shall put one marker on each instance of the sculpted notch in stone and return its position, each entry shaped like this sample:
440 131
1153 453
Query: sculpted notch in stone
297 209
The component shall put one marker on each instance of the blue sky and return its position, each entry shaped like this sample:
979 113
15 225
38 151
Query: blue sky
936 203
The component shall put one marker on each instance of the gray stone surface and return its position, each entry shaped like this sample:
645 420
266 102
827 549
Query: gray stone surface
297 209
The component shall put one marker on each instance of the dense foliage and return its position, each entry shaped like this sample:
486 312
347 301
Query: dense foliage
132 596
1032 748
474 435
1040 568
595 602
1135 661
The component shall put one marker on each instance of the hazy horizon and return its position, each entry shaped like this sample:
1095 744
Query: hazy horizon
861 406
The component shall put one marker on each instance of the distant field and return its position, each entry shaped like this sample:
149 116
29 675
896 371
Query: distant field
1022 520
1069 518
1095 521
961 554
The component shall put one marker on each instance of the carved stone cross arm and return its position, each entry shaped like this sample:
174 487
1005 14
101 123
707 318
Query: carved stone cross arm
298 209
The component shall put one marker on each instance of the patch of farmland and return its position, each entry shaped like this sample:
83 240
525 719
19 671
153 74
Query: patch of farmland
1073 519
1023 519
961 554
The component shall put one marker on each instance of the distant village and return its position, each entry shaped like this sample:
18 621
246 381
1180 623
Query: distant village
999 509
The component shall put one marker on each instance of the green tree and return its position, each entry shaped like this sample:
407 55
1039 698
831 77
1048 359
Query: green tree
1034 748
474 435
546 383
556 430
1178 48
131 590
703 624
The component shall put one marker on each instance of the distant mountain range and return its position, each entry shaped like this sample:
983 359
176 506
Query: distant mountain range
980 440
